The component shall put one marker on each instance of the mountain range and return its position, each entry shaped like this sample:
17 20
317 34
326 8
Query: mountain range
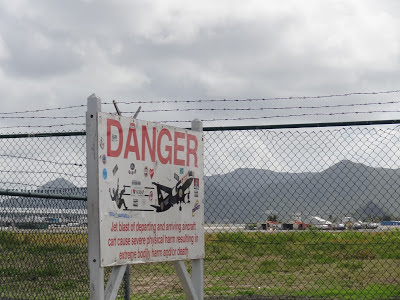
251 195
344 189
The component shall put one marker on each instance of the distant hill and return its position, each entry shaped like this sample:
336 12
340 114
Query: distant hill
249 195
370 211
57 186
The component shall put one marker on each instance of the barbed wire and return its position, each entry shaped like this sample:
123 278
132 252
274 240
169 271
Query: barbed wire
257 99
216 109
283 116
41 172
44 109
42 160
43 117
43 126
225 119
267 108
9 115
208 100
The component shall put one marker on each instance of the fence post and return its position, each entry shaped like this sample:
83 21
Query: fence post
197 264
127 283
95 270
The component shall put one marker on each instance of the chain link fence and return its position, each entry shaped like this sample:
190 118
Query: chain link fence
43 239
298 213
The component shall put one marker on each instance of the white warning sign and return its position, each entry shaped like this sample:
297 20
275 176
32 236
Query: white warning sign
151 191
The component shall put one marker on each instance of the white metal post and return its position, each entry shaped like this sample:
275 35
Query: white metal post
198 277
114 282
95 270
197 264
184 277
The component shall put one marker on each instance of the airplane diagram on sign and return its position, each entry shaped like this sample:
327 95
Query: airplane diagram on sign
169 196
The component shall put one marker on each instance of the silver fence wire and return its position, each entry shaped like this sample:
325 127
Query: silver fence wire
295 213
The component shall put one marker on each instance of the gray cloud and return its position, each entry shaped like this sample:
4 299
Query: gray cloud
57 53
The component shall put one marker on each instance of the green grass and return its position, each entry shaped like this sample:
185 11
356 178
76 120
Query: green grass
339 265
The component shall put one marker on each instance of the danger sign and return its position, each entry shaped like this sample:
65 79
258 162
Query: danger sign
151 191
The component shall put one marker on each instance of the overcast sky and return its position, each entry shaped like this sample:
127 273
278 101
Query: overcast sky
56 53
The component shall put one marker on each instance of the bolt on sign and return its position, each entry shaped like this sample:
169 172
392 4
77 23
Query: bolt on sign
151 191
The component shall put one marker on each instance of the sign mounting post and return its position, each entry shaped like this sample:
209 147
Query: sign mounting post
95 270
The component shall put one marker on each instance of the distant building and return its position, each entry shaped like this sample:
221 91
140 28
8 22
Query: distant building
298 225
11 216
19 211
270 225
287 226
320 223
390 223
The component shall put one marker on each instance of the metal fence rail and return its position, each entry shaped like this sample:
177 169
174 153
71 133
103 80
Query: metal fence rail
294 211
